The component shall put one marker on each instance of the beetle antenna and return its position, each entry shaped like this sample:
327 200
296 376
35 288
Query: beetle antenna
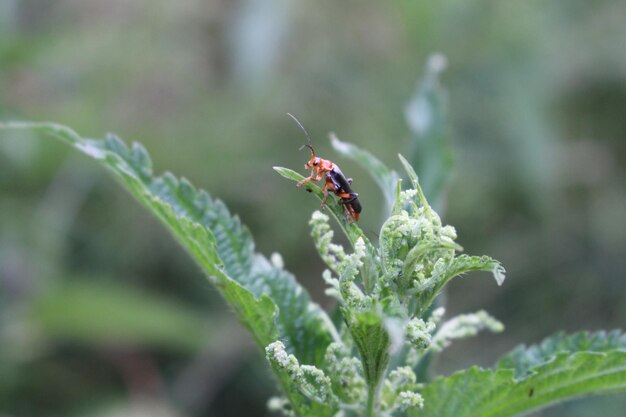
308 138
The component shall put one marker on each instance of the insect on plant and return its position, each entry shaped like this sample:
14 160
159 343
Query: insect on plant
335 180
369 364
374 361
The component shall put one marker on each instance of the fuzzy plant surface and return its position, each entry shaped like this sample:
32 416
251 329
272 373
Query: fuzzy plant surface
369 364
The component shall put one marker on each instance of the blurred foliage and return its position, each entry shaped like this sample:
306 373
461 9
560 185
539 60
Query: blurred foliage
535 96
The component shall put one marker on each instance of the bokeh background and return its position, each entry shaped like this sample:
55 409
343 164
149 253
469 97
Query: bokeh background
102 314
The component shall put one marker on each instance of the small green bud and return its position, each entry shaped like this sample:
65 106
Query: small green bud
322 235
333 285
346 373
437 315
419 333
409 399
277 354
402 376
311 381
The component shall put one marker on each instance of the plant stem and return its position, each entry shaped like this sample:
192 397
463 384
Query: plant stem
372 400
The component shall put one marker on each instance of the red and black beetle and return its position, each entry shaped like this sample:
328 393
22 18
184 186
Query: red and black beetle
335 180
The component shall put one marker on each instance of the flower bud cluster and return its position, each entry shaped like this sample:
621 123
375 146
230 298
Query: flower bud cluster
332 254
346 373
311 381
347 267
400 391
419 333
412 244
463 326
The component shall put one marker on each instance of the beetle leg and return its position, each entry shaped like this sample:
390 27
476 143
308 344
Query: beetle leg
353 214
315 176
347 212
345 201
304 181
325 189
328 185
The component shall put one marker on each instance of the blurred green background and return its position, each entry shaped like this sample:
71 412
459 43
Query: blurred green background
102 314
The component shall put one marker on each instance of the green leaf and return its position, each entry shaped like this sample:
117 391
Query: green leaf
385 178
561 368
416 184
266 298
372 341
523 358
75 310
426 116
459 265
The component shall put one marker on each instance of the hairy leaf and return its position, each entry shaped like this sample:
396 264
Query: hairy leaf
423 201
561 368
459 265
266 298
523 358
372 341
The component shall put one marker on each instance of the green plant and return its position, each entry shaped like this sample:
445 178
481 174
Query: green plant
375 360
386 294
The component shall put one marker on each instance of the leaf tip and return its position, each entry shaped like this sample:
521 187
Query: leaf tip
340 146
284 172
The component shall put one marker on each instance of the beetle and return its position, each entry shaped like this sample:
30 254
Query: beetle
335 180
